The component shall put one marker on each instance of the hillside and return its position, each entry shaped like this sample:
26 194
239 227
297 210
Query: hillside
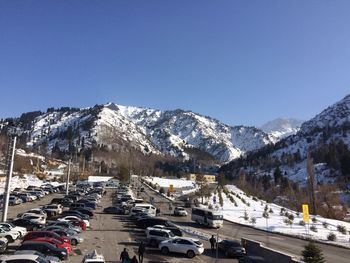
114 127
281 128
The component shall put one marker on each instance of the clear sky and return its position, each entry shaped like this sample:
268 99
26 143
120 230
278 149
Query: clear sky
242 62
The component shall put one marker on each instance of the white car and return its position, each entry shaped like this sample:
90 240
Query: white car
74 218
23 258
38 211
94 257
34 218
54 208
184 245
180 211
21 230
10 235
34 252
156 235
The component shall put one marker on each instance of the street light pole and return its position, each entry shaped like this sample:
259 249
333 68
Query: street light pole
9 177
217 246
68 174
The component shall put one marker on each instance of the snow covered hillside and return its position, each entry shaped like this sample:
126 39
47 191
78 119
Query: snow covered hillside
240 208
148 130
281 128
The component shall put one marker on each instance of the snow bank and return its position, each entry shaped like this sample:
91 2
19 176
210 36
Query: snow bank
177 183
247 209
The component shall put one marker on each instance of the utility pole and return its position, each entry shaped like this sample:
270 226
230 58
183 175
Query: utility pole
217 246
11 149
68 174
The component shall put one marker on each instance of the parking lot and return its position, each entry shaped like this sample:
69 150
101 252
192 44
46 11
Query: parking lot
110 234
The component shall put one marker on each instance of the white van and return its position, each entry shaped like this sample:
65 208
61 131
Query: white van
148 208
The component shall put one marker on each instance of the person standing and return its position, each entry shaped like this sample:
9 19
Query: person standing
124 256
141 251
212 241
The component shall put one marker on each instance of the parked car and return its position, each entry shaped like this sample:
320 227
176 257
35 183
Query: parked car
14 200
53 209
94 257
114 210
65 224
23 258
45 248
252 259
231 248
158 221
3 244
21 230
74 236
57 243
37 253
180 211
9 234
38 211
76 221
75 213
184 245
156 235
42 233
85 211
39 219
27 223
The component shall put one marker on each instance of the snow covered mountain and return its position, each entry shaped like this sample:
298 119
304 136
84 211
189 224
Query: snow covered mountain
326 137
281 128
148 130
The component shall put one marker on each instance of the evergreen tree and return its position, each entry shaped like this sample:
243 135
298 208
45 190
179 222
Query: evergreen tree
277 174
312 254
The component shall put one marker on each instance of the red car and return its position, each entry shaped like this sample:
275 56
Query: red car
77 222
55 242
36 234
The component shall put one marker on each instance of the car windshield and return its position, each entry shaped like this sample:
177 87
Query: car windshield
42 260
56 241
170 224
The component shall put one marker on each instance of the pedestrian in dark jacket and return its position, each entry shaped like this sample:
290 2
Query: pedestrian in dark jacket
141 251
134 260
212 241
124 256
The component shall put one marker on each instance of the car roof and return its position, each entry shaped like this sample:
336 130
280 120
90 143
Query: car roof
188 239
158 229
23 256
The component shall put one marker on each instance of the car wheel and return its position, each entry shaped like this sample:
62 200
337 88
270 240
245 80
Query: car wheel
190 254
165 250
74 242
9 239
153 243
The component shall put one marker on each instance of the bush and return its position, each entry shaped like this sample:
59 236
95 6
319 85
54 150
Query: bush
302 223
210 206
265 214
291 217
246 217
288 221
341 229
161 190
255 199
266 208
313 228
271 211
331 237
253 220
325 224
282 211
312 254
314 220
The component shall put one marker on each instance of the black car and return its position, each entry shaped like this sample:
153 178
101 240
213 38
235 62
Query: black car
45 248
56 200
231 248
114 210
75 213
151 221
28 224
85 211
252 259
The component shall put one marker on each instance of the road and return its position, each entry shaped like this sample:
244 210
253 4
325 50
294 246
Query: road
288 245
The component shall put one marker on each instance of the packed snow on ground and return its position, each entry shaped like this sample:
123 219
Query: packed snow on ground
21 182
276 222
177 183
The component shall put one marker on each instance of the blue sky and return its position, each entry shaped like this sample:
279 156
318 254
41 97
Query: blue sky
242 62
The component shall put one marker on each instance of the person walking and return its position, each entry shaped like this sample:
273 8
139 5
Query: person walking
141 251
212 241
124 256
134 260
